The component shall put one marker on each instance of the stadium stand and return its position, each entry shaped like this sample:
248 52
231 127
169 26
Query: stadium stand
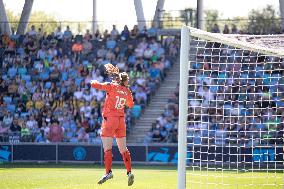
265 121
45 79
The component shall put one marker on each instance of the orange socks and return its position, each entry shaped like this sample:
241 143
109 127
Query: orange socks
127 160
108 160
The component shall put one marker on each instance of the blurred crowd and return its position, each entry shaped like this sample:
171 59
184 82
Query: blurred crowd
238 97
235 96
165 129
226 29
45 92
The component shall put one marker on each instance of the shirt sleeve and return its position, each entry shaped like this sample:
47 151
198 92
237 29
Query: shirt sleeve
101 86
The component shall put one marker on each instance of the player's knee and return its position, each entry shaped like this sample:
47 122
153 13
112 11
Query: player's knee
125 153
108 153
122 149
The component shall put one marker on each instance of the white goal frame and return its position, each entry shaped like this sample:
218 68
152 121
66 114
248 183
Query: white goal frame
186 32
183 107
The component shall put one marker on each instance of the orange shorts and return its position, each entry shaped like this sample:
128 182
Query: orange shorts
114 127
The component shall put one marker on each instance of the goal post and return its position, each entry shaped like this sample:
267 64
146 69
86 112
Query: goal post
183 106
231 110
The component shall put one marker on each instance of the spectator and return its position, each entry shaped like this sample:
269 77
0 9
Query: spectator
140 97
15 127
121 64
148 53
87 46
106 34
77 49
40 34
67 34
32 32
86 110
143 32
25 133
234 29
56 132
32 123
156 136
7 119
48 80
152 32
58 34
134 32
3 131
226 29
114 33
45 129
110 43
97 35
101 53
82 136
87 35
215 29
40 137
125 34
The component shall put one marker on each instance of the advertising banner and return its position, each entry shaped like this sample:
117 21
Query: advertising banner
138 153
28 152
5 153
79 153
153 153
262 154
165 154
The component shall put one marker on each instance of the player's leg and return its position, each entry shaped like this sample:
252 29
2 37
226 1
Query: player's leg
107 140
107 145
121 143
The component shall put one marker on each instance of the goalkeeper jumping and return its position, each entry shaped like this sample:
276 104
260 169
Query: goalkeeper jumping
118 96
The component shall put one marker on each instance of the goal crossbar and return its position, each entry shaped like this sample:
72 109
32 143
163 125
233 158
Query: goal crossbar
238 41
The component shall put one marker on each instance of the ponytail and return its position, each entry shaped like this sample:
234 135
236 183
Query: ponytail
123 77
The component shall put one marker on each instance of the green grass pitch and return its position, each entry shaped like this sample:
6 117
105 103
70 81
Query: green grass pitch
47 176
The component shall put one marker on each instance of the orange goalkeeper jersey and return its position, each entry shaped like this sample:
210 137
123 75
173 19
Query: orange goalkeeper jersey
117 97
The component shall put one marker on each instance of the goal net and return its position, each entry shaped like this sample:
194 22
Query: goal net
231 111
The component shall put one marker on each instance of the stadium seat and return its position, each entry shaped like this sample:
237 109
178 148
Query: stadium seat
78 81
22 71
44 75
28 84
110 44
12 72
26 77
85 62
47 85
64 76
136 111
7 99
5 77
11 108
24 114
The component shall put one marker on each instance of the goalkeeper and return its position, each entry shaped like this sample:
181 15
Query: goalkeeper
118 96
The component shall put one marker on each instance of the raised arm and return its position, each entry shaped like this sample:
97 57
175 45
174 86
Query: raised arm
101 86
